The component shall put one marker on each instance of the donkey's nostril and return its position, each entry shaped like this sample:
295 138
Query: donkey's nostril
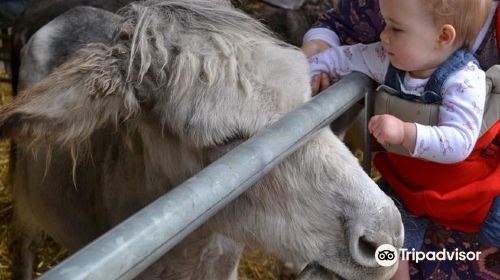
363 250
366 234
367 247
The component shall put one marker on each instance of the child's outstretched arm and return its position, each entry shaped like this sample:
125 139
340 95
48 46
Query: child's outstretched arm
339 61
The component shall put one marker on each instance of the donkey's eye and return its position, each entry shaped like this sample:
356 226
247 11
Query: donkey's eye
219 149
233 140
229 143
124 36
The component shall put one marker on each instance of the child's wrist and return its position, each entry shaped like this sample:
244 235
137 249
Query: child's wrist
409 136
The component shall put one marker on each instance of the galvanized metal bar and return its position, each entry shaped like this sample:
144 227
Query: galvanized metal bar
286 4
367 151
136 243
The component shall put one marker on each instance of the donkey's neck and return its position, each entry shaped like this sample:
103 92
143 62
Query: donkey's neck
166 156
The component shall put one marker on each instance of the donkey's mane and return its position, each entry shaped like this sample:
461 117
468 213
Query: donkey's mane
169 52
194 41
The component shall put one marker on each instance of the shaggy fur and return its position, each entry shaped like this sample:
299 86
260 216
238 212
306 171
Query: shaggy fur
180 84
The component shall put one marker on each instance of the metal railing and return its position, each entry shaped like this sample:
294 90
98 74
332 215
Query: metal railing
132 246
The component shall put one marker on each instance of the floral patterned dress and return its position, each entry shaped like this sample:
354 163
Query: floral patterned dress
354 21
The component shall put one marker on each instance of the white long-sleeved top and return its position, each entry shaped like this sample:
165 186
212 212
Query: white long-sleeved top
460 113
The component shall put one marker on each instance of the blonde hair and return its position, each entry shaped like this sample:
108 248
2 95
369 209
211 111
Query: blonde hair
466 16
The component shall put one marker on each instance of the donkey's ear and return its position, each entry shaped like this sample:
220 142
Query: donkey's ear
85 93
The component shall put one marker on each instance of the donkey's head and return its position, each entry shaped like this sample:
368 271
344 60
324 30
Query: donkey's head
193 78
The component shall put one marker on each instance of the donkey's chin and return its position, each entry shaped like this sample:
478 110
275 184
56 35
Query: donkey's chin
315 271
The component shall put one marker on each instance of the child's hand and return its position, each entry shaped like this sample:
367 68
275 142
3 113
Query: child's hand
319 83
388 129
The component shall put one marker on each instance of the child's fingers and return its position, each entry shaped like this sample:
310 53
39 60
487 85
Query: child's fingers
376 129
315 83
377 133
370 125
324 81
379 136
373 123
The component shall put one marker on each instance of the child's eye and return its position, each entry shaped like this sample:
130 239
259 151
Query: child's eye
395 29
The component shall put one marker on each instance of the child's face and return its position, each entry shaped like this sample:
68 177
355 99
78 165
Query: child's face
410 37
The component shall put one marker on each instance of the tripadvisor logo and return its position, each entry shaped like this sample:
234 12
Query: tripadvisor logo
387 255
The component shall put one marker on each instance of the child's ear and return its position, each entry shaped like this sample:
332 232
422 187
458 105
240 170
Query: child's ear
447 35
